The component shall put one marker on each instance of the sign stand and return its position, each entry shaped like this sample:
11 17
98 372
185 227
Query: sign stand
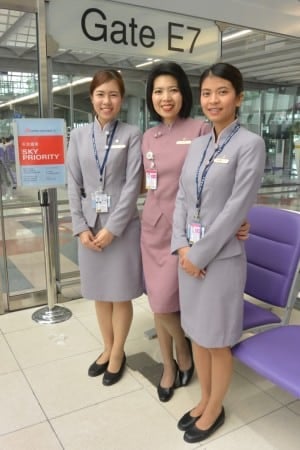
52 313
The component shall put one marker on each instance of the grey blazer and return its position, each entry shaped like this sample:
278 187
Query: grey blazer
122 176
229 191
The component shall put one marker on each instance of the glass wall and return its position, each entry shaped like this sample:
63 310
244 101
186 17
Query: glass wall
274 113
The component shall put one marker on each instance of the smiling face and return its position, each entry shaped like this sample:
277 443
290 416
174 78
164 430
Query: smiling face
107 101
166 98
219 101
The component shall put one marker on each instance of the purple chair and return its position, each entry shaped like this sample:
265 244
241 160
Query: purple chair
273 253
275 355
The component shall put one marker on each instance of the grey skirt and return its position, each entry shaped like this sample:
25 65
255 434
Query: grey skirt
115 274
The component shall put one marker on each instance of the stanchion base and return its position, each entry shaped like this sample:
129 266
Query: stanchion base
54 315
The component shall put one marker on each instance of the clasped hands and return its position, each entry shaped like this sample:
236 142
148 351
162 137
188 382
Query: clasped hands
102 239
194 271
187 265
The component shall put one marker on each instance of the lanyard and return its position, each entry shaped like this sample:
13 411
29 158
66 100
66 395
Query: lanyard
218 150
110 136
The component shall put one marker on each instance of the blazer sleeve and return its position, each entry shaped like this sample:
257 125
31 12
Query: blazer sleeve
75 184
126 206
179 237
249 172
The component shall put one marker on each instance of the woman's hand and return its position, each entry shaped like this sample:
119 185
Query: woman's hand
88 240
187 266
243 232
103 238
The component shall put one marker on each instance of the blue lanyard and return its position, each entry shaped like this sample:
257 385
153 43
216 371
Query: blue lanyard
218 150
108 147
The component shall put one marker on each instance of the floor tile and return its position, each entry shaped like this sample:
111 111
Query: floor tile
17 320
8 362
127 416
280 430
64 386
142 321
18 405
44 343
81 307
37 437
131 422
295 407
90 323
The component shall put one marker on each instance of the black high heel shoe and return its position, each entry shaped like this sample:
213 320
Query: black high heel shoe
165 394
185 376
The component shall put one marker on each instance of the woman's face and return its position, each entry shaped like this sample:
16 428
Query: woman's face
166 98
219 101
107 101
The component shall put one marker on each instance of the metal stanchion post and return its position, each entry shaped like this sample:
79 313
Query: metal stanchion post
52 313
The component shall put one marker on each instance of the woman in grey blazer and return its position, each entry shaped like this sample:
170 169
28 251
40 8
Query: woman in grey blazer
218 185
104 179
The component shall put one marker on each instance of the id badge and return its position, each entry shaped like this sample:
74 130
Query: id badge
151 179
101 202
196 232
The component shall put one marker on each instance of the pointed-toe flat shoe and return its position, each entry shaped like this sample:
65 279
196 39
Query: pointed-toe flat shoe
110 378
194 434
97 369
187 421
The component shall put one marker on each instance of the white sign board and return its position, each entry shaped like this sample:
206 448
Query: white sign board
274 16
102 26
40 152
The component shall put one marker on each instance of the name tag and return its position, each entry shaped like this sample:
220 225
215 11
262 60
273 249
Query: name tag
118 146
221 160
183 142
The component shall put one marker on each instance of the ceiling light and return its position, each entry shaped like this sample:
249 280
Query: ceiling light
147 63
236 35
55 89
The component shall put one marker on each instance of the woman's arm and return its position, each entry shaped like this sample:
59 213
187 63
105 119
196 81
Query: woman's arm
75 186
126 206
248 176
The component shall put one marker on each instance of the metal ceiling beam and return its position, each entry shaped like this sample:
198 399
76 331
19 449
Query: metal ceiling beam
13 28
19 5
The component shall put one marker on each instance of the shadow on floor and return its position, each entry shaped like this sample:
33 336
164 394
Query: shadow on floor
147 366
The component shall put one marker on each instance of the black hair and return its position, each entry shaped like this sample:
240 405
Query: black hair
174 70
229 73
226 71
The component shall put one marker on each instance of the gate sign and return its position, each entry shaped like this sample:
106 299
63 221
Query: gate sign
40 152
102 26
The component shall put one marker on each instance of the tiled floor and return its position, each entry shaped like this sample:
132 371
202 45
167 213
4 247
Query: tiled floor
47 401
